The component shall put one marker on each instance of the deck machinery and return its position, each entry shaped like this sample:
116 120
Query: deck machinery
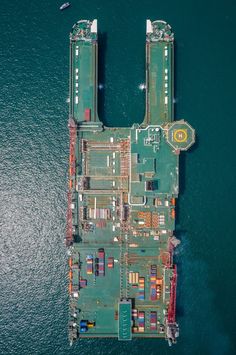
123 185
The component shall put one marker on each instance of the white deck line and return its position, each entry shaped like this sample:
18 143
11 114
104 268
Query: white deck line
95 207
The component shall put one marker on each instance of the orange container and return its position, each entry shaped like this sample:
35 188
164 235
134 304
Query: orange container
70 262
70 287
173 213
173 201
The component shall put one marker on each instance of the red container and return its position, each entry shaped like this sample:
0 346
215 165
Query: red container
87 114
110 262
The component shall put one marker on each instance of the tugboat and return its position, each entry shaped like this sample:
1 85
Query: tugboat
64 6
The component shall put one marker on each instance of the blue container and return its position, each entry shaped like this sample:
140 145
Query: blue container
83 329
83 323
140 298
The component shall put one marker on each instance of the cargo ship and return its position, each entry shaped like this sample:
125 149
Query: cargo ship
123 186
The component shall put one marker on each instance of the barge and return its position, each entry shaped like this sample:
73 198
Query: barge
123 186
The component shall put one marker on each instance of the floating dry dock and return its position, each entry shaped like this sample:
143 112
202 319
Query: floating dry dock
123 185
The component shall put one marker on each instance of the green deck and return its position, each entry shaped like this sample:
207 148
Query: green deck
83 70
122 199
159 79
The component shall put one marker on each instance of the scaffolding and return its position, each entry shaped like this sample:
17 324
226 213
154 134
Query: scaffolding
69 227
72 171
72 158
172 304
125 158
171 252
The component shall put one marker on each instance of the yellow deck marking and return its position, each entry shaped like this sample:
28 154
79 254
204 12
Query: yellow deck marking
180 135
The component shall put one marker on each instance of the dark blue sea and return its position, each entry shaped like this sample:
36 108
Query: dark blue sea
34 142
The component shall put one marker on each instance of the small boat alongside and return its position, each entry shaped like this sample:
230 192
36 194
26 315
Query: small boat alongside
64 6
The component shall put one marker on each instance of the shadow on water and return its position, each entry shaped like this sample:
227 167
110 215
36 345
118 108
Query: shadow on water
180 309
180 306
180 233
182 158
102 40
182 168
175 80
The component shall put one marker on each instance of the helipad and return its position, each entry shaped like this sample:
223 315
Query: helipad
180 135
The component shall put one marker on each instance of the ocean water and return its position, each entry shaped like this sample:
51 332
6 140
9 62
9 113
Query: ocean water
34 62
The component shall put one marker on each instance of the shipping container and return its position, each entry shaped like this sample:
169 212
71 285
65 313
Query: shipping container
87 114
83 329
110 262
153 320
90 324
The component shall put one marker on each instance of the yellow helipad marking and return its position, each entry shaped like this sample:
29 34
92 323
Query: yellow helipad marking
180 135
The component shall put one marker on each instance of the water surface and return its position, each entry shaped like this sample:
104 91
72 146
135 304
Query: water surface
33 165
